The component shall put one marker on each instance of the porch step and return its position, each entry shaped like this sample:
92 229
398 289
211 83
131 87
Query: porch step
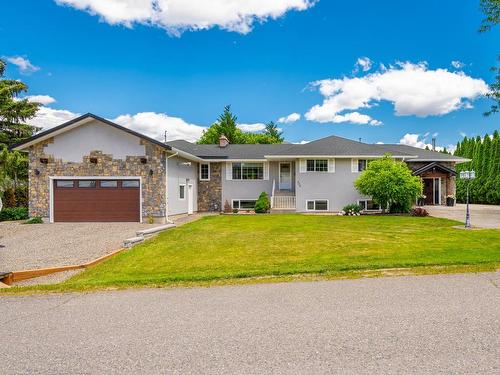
284 202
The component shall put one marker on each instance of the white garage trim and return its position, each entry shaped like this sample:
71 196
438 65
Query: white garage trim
51 189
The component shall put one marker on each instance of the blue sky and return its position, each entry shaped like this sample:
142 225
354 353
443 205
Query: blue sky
177 71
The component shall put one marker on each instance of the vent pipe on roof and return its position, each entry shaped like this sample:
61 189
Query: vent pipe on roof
359 139
433 144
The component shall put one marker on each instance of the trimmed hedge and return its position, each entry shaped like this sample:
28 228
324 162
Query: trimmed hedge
14 213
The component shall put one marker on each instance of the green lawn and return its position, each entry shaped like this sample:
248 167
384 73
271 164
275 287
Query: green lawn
226 248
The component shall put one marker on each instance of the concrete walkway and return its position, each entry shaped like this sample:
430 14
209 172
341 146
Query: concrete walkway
482 216
447 324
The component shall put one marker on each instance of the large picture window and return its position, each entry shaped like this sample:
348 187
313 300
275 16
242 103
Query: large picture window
248 171
320 165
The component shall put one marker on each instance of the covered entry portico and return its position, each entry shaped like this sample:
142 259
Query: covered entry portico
438 181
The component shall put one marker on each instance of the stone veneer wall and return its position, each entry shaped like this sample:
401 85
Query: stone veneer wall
153 187
210 192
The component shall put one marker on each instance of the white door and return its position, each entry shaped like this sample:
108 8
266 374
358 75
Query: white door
190 199
285 182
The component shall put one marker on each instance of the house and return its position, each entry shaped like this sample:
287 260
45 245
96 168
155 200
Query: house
91 169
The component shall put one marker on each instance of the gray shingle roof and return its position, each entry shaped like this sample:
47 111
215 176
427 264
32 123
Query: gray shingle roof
329 146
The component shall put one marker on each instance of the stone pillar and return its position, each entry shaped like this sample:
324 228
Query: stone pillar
210 192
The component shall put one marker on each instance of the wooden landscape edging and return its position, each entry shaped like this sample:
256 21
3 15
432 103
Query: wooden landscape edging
30 274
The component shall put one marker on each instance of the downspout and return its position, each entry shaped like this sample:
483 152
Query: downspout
166 184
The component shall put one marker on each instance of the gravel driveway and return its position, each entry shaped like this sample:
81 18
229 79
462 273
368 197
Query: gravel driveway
59 244
446 324
482 215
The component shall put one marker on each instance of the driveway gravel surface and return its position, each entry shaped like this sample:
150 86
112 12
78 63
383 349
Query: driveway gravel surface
447 324
59 244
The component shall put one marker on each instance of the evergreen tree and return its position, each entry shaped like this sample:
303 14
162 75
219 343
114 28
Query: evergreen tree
14 111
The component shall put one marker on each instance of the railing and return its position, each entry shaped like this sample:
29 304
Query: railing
272 194
283 202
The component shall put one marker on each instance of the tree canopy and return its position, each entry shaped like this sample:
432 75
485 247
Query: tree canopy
389 183
485 155
491 10
14 111
227 125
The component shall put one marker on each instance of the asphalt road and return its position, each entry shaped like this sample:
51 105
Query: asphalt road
446 324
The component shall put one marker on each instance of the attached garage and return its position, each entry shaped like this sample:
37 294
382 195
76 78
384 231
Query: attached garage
98 200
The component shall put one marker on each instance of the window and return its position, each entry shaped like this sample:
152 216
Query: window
64 184
204 172
317 205
362 163
130 184
244 204
109 183
248 171
317 165
368 205
182 191
86 184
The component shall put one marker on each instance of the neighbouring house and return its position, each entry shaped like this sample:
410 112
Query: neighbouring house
91 169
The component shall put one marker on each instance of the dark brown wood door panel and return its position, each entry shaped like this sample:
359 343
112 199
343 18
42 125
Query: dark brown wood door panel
96 204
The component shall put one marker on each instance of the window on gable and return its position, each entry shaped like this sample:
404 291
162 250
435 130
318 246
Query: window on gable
204 172
320 165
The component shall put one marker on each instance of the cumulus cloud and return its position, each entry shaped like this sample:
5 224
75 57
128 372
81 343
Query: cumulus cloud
364 64
292 117
154 125
252 128
47 117
177 16
416 140
413 89
42 99
300 142
24 65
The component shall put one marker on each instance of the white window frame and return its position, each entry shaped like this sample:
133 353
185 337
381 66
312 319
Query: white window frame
315 200
179 195
366 205
315 162
52 180
204 179
265 170
239 203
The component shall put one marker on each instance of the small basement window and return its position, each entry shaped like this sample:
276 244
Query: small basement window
317 205
244 204
86 183
109 184
130 184
204 172
368 205
65 183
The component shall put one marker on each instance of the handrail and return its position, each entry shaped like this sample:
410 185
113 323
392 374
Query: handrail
272 193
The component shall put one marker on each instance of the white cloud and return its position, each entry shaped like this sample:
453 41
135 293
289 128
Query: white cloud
462 134
457 64
379 143
355 118
47 117
42 99
416 140
24 65
154 125
292 117
413 89
300 142
177 16
252 128
364 64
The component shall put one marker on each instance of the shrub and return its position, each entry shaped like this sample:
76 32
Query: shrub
227 207
34 220
419 211
22 196
263 204
400 207
14 213
353 209
235 210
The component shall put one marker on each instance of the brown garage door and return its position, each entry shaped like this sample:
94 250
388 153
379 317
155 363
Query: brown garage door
96 200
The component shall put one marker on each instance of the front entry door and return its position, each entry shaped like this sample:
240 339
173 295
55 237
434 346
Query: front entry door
429 190
285 182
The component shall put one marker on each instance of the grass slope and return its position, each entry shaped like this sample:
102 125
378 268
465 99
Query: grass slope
233 247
